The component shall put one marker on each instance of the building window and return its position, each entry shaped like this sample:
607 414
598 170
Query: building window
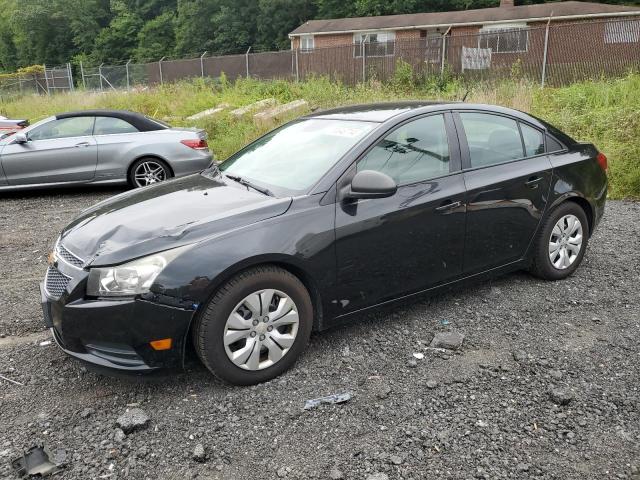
306 43
512 38
627 31
374 44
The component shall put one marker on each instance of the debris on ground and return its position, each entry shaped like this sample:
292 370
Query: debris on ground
11 381
447 340
131 420
444 321
199 453
561 396
431 384
331 399
45 343
39 461
519 356
418 355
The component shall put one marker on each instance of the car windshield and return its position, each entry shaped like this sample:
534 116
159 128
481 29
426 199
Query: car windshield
294 157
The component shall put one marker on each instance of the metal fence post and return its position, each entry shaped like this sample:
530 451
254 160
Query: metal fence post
202 63
246 56
442 55
364 60
46 78
544 56
70 77
126 67
84 84
160 70
297 66
100 76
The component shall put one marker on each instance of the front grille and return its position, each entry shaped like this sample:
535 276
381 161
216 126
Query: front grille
69 257
56 282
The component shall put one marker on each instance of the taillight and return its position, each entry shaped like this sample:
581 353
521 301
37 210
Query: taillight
196 144
602 161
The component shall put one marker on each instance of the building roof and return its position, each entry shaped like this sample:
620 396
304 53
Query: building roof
141 122
556 10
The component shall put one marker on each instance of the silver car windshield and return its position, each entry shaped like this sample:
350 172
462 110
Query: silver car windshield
293 158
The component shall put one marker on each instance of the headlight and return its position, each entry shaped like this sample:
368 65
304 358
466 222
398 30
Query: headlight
131 278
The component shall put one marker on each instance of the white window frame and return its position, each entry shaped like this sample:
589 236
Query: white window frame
488 30
625 31
310 43
360 38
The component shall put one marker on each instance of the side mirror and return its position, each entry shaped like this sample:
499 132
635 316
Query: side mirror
20 138
370 184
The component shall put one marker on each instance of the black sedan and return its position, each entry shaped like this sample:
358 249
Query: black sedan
326 217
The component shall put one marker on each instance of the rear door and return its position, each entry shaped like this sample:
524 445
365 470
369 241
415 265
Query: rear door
115 137
508 176
61 150
388 247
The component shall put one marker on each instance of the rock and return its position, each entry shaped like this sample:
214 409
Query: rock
199 453
336 474
396 459
418 355
87 412
447 340
412 363
383 391
555 374
519 356
431 384
378 476
523 467
131 420
119 436
561 396
482 424
282 472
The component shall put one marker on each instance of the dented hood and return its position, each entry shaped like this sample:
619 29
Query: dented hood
172 214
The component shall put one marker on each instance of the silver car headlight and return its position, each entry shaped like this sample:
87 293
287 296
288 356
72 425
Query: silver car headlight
133 278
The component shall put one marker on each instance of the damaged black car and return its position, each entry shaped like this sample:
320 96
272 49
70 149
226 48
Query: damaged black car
329 216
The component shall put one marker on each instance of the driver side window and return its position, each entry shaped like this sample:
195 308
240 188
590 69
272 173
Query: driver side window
63 128
414 152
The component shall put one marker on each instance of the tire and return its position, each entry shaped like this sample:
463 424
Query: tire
148 171
242 297
561 267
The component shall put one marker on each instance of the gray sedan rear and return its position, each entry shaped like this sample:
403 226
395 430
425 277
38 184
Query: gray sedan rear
100 147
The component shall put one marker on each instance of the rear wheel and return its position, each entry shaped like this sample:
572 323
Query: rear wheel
255 326
147 171
561 242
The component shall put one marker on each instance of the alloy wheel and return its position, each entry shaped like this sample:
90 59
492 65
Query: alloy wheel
148 173
565 242
261 329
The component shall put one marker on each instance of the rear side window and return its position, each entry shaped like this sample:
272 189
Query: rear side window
413 152
112 125
533 140
491 138
553 145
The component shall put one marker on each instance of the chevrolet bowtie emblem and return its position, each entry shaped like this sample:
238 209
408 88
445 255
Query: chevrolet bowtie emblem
52 258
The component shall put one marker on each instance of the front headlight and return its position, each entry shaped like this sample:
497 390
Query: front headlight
131 278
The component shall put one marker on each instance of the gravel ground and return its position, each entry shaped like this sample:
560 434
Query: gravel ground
489 410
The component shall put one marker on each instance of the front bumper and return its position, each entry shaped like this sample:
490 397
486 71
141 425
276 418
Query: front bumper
115 334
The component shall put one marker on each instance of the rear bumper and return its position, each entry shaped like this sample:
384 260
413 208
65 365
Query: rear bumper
116 334
195 164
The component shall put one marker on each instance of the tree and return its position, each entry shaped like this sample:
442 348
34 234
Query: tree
118 42
157 38
279 17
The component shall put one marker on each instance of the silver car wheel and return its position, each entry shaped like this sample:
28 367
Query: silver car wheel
148 173
565 242
261 329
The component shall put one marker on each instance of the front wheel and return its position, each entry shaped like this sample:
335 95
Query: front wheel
255 326
148 171
561 242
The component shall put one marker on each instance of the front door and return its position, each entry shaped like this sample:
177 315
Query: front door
508 176
58 151
395 246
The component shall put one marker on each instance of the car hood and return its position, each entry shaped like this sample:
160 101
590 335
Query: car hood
171 214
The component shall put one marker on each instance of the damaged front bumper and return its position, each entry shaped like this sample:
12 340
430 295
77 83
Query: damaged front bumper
116 334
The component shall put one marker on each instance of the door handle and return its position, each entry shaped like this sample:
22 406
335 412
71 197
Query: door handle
533 182
82 144
448 205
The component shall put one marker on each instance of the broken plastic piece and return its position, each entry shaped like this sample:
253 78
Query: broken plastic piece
38 461
337 398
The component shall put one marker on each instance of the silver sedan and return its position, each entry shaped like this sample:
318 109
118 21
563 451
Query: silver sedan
100 147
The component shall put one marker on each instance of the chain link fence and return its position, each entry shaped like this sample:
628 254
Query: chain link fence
555 54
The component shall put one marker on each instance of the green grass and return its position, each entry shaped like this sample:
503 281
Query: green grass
604 112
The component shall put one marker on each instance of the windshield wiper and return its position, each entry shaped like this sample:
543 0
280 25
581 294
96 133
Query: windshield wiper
247 183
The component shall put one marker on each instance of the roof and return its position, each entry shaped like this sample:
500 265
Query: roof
372 112
541 11
141 122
